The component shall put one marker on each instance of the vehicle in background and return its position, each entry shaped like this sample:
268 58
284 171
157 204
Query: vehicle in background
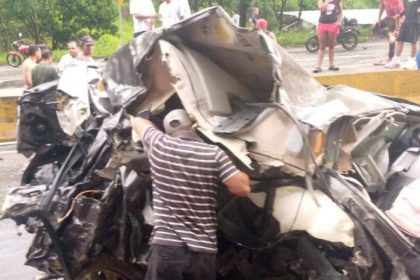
348 36
19 53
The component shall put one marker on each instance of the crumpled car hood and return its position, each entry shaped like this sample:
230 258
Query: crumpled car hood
235 84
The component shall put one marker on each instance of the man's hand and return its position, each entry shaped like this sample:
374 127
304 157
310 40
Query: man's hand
238 184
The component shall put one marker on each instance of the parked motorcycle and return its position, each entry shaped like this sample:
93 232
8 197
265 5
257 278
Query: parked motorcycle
348 37
14 58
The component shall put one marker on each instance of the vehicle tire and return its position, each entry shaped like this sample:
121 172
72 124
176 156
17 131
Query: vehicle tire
312 44
350 42
108 268
14 60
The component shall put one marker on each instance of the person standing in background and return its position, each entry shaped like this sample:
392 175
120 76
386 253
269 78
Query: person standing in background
409 33
170 12
34 54
43 72
70 57
236 17
254 17
328 29
386 26
87 44
185 8
262 25
144 16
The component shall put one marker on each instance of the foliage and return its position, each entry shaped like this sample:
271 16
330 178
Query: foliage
2 58
57 21
295 38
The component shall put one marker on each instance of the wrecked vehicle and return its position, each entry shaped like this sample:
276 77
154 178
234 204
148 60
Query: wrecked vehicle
333 168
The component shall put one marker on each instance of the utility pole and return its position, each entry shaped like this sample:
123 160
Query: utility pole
120 3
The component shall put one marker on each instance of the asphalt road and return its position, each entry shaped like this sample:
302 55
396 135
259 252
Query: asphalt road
361 59
14 241
13 247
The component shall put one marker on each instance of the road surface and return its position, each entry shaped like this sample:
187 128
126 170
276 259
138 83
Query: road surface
13 246
361 59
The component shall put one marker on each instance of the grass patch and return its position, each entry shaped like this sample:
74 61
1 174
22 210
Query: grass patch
3 58
296 37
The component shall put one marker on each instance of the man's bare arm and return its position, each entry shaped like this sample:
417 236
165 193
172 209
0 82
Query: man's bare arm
144 16
27 76
139 125
238 184
381 11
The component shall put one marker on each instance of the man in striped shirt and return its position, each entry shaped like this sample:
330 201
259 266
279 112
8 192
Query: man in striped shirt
185 173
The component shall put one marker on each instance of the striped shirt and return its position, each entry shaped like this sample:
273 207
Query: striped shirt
185 175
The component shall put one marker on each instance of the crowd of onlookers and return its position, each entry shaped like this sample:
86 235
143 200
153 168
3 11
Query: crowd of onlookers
400 24
37 68
172 11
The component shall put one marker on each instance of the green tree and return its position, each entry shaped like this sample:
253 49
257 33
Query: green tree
9 28
58 21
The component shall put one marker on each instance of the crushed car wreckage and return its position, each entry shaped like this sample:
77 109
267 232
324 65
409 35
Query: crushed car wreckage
332 168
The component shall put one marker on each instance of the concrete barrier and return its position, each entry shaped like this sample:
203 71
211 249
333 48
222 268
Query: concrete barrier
8 114
399 83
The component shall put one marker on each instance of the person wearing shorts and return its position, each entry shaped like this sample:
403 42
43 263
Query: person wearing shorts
328 28
386 26
409 33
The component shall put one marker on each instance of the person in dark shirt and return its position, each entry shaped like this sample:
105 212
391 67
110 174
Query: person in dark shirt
43 72
409 32
328 28
185 175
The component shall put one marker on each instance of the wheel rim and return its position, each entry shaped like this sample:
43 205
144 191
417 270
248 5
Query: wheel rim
312 45
350 42
13 60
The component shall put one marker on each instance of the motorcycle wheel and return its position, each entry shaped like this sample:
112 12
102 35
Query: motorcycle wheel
312 44
108 268
13 60
350 42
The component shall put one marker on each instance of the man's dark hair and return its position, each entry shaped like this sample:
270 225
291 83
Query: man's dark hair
32 49
46 54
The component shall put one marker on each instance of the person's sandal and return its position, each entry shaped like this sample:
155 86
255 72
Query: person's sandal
316 70
333 68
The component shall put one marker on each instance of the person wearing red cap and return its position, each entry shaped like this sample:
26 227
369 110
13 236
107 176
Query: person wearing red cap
328 29
262 24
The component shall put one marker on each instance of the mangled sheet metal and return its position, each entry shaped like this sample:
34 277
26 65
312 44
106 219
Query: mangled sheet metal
235 84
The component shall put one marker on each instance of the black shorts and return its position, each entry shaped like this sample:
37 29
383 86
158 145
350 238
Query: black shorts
384 26
409 32
179 263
